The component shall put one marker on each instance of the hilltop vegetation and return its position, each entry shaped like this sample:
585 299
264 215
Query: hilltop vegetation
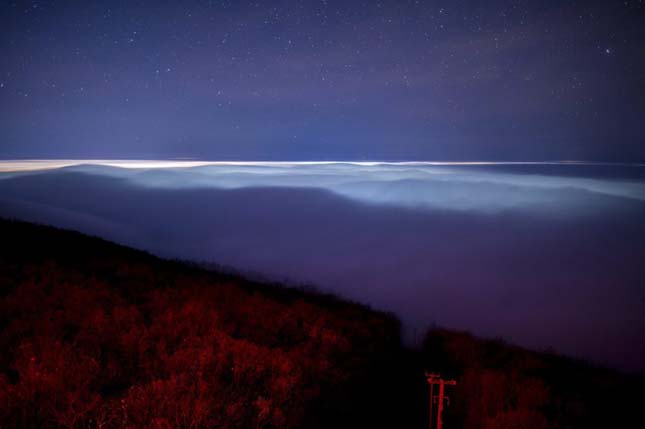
501 386
98 335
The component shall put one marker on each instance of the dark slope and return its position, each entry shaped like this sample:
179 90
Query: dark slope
504 386
94 334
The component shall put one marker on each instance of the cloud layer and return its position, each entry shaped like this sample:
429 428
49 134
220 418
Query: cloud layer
544 260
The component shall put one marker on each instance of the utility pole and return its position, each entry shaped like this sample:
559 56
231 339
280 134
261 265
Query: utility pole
433 379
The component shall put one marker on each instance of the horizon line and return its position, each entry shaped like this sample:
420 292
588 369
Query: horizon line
17 165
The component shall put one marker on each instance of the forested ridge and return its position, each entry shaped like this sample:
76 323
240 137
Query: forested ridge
94 334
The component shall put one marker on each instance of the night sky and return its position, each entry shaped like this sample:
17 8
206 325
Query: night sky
323 80
544 254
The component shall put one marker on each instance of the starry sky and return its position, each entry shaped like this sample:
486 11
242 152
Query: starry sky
323 80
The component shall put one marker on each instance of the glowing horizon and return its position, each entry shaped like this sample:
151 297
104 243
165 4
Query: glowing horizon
18 165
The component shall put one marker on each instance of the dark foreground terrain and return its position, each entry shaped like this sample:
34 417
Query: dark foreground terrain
94 334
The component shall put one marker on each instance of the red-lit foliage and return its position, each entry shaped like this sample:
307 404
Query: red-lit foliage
501 386
111 340
95 335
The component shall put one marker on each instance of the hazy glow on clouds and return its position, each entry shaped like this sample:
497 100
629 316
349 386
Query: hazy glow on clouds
539 246
447 185
48 164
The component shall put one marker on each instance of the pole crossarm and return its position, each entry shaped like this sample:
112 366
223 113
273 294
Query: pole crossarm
435 379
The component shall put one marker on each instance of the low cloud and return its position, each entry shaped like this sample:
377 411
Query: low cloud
545 262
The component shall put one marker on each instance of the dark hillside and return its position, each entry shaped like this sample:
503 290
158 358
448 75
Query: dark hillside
501 386
99 335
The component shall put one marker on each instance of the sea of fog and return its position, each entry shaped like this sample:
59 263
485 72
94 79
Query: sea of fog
547 255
